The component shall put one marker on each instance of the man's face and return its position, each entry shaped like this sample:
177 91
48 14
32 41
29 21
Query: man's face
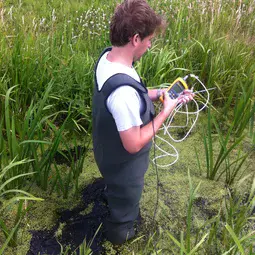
142 46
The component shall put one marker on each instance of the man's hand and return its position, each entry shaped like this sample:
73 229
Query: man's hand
135 138
168 104
186 96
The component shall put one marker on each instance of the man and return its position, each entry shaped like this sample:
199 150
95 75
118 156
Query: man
123 115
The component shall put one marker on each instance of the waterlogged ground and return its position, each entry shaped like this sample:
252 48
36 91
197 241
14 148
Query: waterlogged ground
56 222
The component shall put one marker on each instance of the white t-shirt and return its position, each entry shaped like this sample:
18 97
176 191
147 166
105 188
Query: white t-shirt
124 103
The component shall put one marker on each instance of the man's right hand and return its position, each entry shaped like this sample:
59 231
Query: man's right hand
168 104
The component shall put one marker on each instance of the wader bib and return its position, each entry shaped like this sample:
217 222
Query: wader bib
123 172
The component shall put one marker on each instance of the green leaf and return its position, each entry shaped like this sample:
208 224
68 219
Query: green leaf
198 244
181 246
235 238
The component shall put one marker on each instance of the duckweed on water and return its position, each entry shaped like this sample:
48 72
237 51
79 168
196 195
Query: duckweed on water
171 209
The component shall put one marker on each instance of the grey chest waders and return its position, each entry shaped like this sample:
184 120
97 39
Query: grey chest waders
123 172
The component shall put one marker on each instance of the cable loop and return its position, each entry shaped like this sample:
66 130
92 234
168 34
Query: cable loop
167 126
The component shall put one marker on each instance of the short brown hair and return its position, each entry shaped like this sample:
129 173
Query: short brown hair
133 17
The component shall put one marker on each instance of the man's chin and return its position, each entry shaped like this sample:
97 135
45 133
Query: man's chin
139 57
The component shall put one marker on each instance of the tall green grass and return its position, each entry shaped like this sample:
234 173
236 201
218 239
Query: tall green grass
252 125
36 138
199 39
223 162
48 50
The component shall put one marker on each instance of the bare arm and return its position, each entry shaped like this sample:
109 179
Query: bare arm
135 138
154 94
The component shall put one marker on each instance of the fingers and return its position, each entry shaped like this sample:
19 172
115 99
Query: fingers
185 98
188 92
168 98
169 102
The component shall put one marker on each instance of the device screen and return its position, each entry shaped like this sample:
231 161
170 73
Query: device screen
177 88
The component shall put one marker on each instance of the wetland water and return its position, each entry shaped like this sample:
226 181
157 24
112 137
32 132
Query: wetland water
76 225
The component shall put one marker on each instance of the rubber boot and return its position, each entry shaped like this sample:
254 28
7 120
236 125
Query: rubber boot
119 233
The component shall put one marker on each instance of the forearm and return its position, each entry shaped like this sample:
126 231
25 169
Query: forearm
148 131
135 138
154 94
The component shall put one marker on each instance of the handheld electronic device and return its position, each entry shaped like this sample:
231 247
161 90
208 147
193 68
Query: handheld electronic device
176 88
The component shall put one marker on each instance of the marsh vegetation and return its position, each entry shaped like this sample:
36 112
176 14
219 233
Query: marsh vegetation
204 202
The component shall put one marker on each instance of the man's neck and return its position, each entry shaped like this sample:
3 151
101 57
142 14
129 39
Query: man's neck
122 55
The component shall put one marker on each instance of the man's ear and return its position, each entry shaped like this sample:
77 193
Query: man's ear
135 39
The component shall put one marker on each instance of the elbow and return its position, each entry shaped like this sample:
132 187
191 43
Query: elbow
132 149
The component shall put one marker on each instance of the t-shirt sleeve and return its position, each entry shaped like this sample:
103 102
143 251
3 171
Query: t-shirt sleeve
124 104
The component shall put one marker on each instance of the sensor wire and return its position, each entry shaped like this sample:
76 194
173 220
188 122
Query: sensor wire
168 126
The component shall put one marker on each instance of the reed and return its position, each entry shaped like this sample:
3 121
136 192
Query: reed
64 178
221 164
251 126
12 197
31 140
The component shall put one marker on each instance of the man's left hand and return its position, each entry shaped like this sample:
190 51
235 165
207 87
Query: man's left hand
186 96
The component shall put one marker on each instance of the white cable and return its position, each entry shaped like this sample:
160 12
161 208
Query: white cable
207 94
168 125
165 153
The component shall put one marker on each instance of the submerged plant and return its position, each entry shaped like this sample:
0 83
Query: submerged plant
185 243
232 231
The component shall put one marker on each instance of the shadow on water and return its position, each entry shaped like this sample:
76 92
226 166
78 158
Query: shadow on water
66 157
77 227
